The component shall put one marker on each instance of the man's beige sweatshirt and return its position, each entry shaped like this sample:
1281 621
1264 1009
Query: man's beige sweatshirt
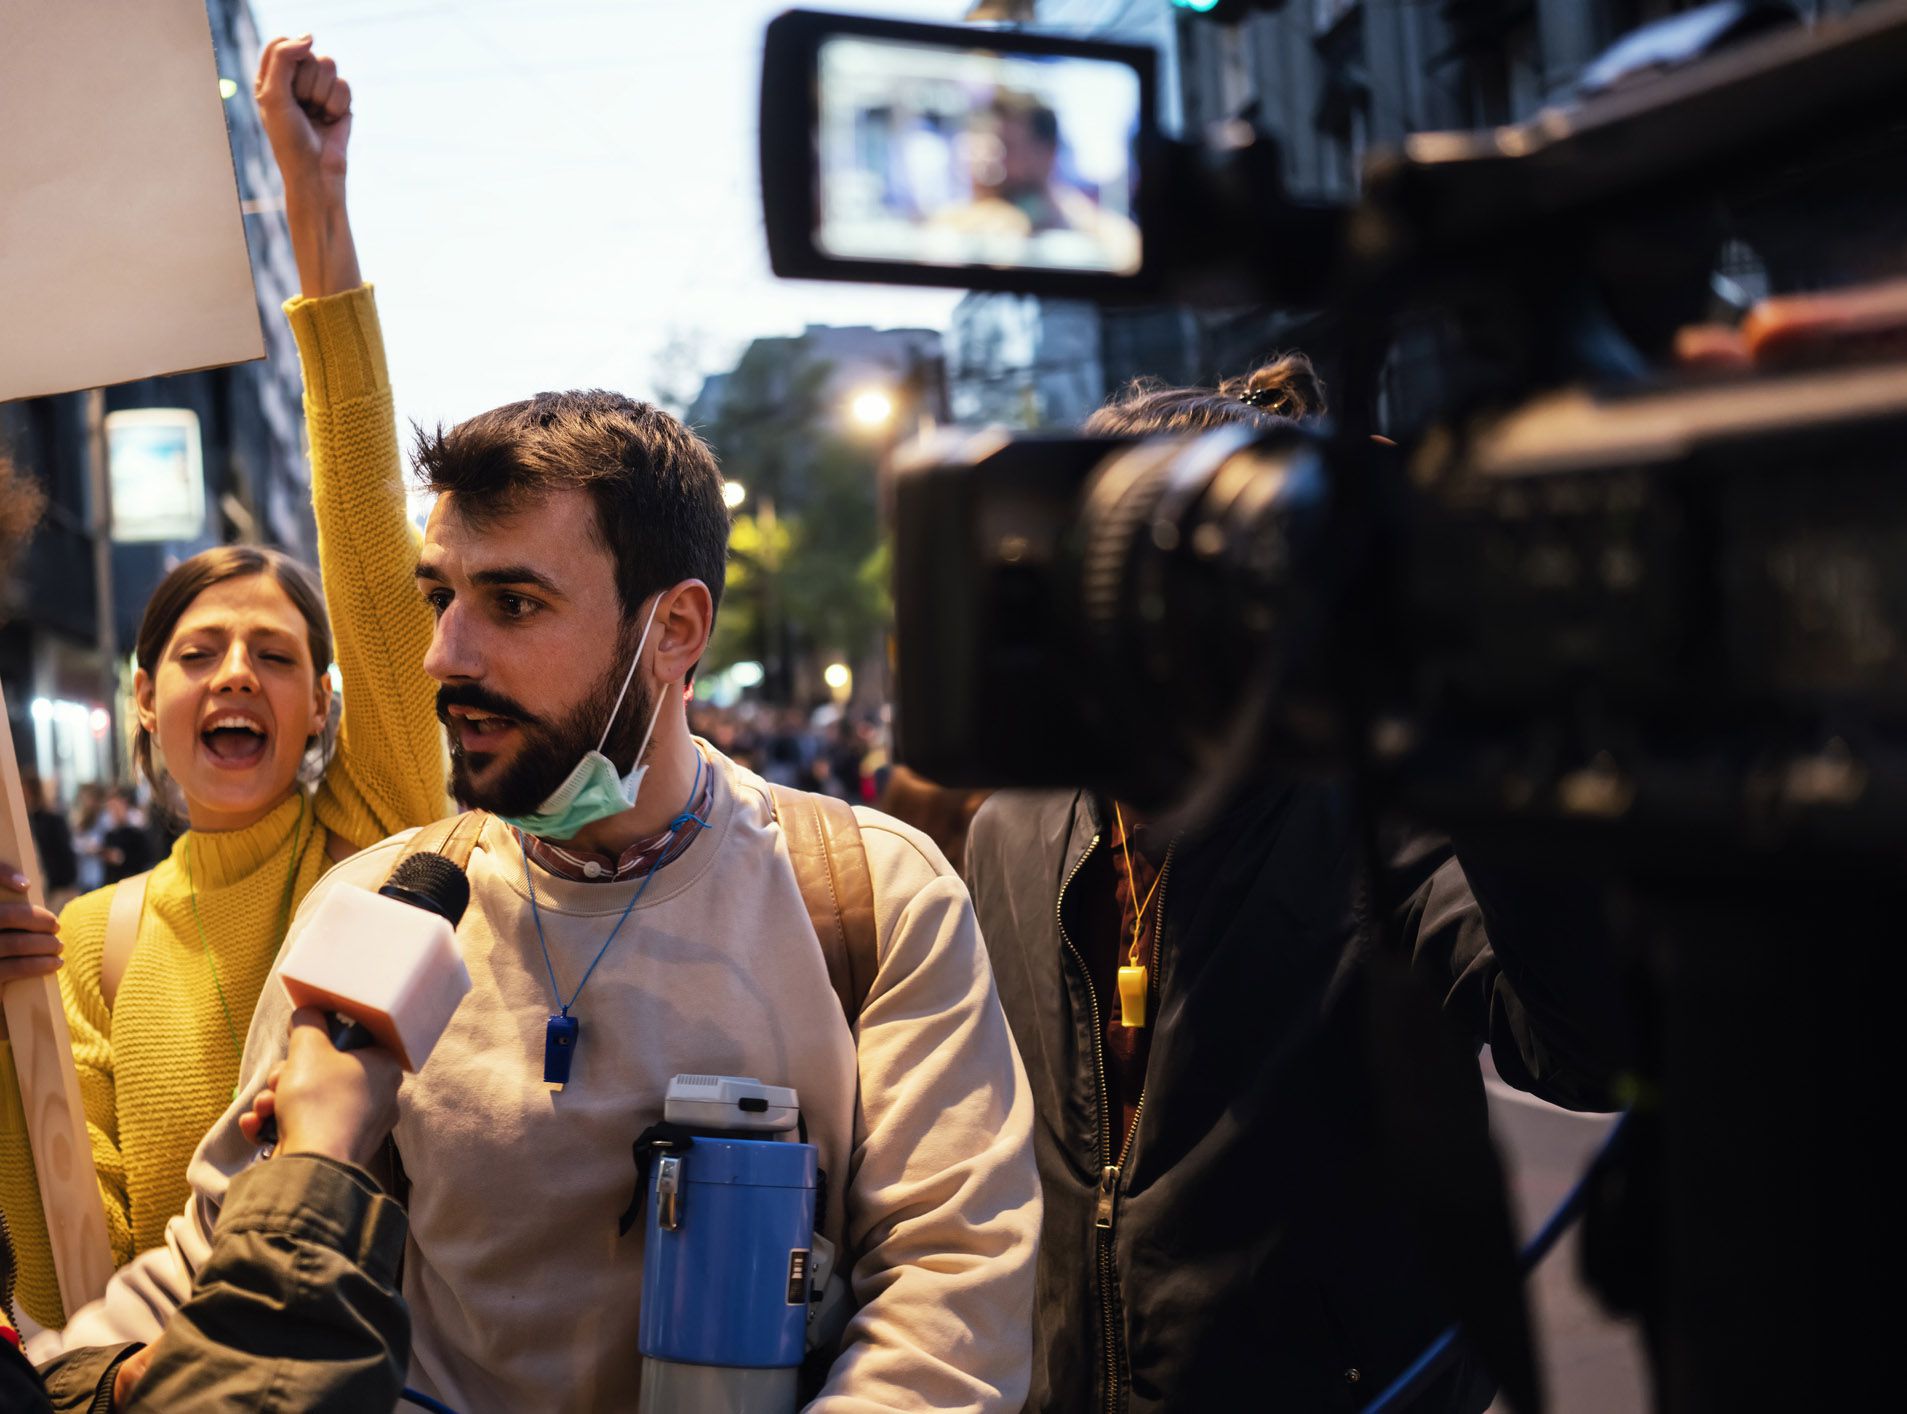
522 1295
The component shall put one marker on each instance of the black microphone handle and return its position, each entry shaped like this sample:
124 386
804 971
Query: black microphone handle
346 1034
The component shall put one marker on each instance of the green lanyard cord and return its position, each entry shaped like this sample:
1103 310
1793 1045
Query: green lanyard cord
284 921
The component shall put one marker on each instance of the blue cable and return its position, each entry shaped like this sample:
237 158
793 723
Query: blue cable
424 1401
1445 1348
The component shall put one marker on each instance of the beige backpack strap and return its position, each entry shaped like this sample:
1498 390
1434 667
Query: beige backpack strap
122 932
824 843
454 838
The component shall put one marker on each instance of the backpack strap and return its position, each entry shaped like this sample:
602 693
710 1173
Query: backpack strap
456 838
122 932
830 862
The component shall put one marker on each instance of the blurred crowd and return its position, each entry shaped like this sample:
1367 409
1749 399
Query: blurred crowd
840 753
832 751
109 834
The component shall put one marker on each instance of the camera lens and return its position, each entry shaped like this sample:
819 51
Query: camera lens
1192 597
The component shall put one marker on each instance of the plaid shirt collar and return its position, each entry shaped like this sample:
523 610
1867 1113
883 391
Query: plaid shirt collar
590 866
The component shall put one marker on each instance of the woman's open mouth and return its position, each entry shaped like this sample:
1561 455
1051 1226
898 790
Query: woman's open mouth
234 740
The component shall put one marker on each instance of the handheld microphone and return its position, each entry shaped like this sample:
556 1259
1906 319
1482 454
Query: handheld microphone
385 966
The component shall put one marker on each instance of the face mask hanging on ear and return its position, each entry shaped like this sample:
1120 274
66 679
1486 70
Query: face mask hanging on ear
593 790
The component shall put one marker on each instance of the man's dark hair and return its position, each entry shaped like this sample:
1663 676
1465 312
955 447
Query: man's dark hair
654 483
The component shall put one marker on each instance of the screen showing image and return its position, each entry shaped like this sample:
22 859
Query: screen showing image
965 157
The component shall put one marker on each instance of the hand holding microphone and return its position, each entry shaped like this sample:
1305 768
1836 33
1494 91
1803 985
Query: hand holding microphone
339 1104
376 972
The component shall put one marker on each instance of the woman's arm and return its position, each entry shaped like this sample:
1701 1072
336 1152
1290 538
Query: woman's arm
389 773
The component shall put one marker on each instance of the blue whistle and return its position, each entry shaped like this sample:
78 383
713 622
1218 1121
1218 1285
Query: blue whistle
559 1048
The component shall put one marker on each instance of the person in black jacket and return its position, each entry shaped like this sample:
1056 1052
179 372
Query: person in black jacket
126 846
1217 1232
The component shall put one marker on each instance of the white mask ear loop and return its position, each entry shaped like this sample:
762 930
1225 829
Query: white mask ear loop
629 677
654 717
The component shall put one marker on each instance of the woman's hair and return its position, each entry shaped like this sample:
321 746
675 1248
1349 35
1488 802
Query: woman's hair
1283 391
198 574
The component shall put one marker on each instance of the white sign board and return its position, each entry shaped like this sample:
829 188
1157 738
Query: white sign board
158 474
122 251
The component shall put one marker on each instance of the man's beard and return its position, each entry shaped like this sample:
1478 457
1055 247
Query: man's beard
549 750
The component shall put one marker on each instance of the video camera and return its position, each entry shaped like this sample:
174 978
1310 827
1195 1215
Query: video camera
1586 589
1634 613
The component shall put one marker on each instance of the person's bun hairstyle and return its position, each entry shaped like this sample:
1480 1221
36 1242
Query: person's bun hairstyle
1284 391
1287 386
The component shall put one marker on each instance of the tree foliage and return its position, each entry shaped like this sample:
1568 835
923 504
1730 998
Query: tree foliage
805 560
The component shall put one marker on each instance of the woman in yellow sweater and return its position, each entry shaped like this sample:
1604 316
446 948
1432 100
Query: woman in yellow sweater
233 690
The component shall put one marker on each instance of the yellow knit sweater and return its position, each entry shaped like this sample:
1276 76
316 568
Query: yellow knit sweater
158 1068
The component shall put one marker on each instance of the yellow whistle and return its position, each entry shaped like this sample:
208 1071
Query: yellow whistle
1132 996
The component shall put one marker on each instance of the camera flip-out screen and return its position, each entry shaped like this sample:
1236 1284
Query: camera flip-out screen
938 155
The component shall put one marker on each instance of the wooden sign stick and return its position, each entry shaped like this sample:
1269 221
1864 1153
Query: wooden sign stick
49 1085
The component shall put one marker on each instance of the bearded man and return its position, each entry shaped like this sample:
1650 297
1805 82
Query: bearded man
635 915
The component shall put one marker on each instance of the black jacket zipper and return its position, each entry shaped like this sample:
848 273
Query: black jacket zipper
1106 1208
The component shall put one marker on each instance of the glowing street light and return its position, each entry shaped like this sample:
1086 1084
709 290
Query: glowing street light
871 407
228 89
733 494
840 680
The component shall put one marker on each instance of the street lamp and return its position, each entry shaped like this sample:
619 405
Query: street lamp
872 408
840 680
733 494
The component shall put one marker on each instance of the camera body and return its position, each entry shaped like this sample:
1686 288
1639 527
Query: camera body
1595 612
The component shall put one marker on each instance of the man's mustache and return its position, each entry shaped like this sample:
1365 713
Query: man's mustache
470 694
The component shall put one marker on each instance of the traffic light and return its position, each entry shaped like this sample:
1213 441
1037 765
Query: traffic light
1225 12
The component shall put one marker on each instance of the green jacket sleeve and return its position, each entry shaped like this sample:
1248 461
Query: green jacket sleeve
298 1307
81 1381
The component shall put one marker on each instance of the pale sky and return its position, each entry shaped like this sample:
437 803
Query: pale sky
546 193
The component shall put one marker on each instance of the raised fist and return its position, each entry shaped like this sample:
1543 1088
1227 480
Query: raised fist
306 109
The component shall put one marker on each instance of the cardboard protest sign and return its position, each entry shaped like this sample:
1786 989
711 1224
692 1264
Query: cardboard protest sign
122 250
49 1084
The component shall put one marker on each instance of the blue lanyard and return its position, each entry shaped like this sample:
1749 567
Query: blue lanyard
536 913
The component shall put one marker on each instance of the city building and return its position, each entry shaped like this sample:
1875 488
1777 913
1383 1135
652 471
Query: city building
232 441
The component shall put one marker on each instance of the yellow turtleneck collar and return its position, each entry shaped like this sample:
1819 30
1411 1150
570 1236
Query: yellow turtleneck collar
221 857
